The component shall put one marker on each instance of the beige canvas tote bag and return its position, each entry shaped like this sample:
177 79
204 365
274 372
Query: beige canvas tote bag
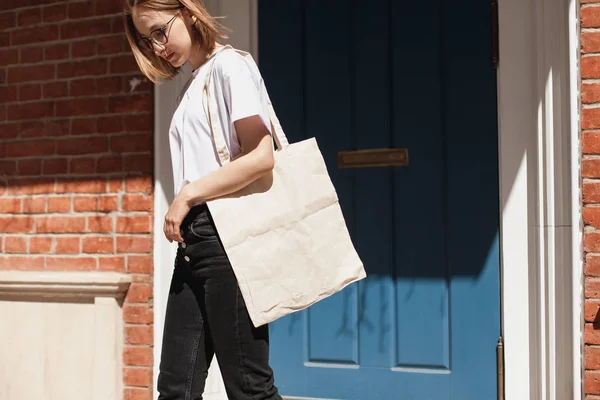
284 234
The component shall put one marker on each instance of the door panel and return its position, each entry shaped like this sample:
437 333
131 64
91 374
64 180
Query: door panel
388 74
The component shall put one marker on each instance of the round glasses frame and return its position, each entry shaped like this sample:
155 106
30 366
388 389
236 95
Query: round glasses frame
157 36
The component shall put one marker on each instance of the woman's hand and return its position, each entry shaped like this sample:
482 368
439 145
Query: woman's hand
174 217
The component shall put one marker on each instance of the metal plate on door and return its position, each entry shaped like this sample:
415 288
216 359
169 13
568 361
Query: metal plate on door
373 158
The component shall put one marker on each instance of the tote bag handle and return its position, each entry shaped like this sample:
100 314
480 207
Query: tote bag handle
213 119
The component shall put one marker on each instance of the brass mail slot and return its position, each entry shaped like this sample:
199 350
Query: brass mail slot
373 158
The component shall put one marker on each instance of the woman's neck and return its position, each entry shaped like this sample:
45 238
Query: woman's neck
198 57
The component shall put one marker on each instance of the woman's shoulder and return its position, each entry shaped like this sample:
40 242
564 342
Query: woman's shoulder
230 62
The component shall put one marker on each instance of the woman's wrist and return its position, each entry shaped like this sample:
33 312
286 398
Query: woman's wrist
187 197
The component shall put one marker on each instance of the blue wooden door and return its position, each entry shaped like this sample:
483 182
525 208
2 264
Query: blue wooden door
395 74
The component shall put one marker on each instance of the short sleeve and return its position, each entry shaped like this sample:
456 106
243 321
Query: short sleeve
241 89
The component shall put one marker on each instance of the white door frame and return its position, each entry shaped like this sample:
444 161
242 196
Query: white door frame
540 193
538 82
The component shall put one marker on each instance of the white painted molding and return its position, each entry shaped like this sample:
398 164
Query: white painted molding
516 109
577 261
15 284
555 230
539 134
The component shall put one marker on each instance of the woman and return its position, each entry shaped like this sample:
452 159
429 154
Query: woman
206 314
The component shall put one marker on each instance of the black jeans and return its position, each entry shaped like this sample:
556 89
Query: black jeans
206 315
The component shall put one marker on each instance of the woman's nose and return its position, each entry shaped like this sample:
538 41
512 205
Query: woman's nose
159 50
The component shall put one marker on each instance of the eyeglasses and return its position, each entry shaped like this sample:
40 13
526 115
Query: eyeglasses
158 35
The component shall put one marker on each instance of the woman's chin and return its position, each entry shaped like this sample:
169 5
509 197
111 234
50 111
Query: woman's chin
176 61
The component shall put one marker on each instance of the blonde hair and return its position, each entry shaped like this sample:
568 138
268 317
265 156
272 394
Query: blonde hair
206 28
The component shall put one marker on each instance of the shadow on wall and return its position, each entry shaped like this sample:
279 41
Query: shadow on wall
77 182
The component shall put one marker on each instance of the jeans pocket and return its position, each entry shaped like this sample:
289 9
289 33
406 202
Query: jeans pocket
203 229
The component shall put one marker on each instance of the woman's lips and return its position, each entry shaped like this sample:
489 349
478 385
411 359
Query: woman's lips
170 56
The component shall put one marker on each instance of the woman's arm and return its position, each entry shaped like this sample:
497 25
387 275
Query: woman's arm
255 160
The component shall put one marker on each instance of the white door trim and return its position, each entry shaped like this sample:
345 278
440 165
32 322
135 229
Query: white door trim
577 261
539 161
540 199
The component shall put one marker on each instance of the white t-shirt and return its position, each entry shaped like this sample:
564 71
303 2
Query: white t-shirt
239 93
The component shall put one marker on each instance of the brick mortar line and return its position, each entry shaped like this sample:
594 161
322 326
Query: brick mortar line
59 41
70 195
89 193
84 136
84 117
54 80
70 98
66 22
42 6
70 60
108 174
590 106
82 214
62 60
73 156
69 118
76 234
52 119
41 83
77 177
79 255
63 22
64 42
86 97
54 235
64 119
112 234
63 139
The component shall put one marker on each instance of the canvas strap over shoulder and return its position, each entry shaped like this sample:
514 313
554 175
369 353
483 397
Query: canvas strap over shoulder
211 111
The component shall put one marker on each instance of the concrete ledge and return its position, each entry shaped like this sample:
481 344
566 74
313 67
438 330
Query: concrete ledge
63 284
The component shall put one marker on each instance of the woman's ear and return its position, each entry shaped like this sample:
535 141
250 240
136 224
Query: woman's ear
191 17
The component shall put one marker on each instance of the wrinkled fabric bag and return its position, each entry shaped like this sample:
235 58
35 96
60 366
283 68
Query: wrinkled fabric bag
284 234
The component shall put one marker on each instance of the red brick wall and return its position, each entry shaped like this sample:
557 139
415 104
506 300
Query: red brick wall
590 92
76 156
